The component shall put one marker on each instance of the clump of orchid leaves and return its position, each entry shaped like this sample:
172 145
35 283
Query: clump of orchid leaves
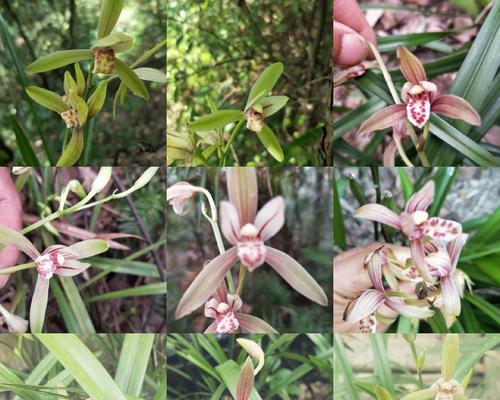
431 272
63 261
445 388
247 231
83 98
205 139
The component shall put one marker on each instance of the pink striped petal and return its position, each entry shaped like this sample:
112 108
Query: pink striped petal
455 248
245 382
271 218
243 192
457 108
234 302
72 268
441 229
384 118
389 156
205 284
451 297
251 324
39 304
418 255
10 237
211 308
422 199
212 328
379 213
409 311
229 222
411 67
374 269
221 293
295 275
439 263
366 304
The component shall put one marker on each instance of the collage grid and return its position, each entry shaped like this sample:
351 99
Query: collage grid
250 200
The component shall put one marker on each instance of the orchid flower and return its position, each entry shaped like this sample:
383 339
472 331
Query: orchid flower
245 382
178 194
415 223
247 231
58 259
442 264
366 308
15 323
225 307
445 388
419 97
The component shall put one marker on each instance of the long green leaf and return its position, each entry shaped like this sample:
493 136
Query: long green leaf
152 289
82 365
24 145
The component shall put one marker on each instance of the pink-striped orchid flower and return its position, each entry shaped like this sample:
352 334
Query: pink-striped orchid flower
415 223
442 264
247 231
59 260
225 307
178 194
367 307
419 97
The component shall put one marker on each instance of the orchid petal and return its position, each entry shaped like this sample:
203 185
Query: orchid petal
39 304
379 213
271 218
243 192
385 118
234 302
205 284
389 157
254 350
251 324
374 268
10 237
221 293
229 222
457 108
411 67
418 109
451 297
366 304
439 263
418 255
295 275
245 381
211 308
89 248
441 229
409 311
72 268
368 324
455 247
212 328
422 199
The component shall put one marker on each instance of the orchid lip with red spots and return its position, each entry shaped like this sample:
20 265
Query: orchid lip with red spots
420 100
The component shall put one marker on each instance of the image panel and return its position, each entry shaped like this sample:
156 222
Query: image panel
250 366
249 83
416 83
82 250
83 83
67 366
416 366
249 250
416 250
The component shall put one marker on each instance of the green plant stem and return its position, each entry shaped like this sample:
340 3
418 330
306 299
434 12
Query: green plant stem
402 152
426 130
16 268
415 358
241 279
231 140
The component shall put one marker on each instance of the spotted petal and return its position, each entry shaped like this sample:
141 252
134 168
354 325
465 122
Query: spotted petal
385 118
441 229
457 108
418 109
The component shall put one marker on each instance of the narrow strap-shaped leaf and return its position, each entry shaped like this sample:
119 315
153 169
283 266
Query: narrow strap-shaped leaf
47 99
133 362
24 145
271 143
77 305
90 374
131 80
110 12
58 59
8 377
151 289
73 151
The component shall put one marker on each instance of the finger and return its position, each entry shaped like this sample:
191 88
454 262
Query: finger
10 216
347 12
349 47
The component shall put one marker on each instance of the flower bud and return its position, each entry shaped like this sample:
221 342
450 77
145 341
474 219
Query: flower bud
254 350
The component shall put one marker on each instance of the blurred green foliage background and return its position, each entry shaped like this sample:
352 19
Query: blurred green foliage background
37 28
218 48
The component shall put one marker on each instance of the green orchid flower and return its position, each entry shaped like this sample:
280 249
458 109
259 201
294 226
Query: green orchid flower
258 107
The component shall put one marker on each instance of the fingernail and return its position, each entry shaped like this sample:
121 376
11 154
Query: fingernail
353 49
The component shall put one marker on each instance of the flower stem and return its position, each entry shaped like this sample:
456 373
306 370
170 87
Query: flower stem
402 152
241 279
231 140
16 268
